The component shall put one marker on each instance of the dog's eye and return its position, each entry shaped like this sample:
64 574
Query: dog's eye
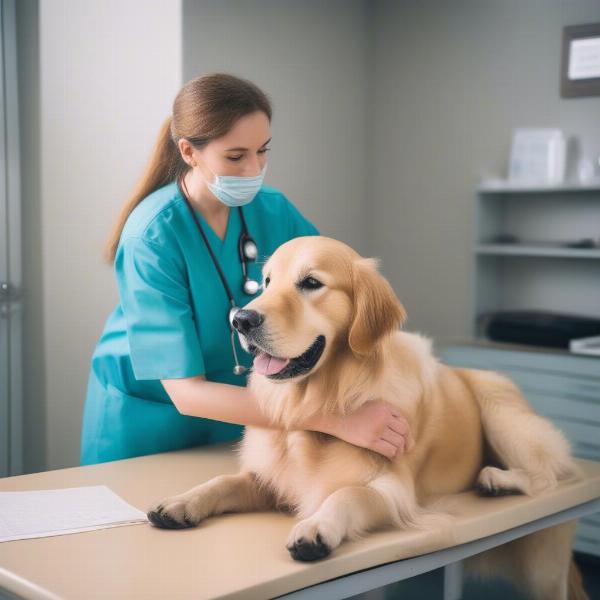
310 283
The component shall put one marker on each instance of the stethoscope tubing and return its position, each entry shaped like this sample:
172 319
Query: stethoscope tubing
244 238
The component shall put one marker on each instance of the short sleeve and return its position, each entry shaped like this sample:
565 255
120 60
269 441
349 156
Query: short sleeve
156 304
299 224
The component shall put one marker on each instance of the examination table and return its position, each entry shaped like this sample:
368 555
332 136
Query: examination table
243 556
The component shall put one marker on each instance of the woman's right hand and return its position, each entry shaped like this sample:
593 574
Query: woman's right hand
378 426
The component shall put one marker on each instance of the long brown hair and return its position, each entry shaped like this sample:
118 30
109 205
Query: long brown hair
205 108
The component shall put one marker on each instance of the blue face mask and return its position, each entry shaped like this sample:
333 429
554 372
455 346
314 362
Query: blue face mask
236 191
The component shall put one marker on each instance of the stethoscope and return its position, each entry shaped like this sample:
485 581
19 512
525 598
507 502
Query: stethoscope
247 251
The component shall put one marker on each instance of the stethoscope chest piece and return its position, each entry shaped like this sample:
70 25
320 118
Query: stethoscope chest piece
251 287
248 252
249 248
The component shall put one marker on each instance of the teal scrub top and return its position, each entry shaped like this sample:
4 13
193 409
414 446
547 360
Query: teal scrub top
172 322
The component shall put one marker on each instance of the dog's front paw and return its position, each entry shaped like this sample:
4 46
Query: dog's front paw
311 540
173 513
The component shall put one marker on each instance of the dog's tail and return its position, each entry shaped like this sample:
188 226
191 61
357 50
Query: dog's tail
532 452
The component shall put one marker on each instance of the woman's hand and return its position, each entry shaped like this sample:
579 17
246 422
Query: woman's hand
376 425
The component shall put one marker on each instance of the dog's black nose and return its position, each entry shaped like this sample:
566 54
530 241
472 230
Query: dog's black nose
245 320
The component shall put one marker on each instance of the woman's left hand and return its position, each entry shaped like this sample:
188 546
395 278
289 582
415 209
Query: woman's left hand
376 425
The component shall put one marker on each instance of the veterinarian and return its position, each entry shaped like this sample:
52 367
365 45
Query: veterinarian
187 248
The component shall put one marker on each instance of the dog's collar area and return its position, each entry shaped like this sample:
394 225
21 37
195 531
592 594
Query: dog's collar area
299 365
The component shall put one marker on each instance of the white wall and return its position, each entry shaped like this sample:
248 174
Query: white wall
106 78
452 79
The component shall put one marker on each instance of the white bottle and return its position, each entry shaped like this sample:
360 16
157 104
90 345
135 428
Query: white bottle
556 158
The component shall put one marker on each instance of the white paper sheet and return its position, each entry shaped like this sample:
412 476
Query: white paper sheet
44 513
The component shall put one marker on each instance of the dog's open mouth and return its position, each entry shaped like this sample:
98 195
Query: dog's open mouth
274 367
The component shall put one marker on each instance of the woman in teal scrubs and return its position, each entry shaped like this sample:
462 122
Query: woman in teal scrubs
170 329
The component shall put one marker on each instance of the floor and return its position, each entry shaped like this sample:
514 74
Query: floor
429 586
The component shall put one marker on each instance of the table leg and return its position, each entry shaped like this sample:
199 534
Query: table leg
453 581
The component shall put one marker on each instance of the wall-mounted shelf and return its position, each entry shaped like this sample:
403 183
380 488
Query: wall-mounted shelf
535 270
541 251
503 186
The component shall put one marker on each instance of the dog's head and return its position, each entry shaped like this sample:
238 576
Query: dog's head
320 298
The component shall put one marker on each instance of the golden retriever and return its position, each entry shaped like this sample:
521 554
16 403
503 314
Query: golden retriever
337 315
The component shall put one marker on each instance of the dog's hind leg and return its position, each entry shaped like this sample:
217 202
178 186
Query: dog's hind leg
533 453
226 493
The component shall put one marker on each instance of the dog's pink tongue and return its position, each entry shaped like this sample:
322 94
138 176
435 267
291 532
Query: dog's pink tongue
265 364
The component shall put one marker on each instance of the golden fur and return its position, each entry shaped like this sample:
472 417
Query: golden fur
462 420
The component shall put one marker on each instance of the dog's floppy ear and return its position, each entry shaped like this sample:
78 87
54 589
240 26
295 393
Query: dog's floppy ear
377 310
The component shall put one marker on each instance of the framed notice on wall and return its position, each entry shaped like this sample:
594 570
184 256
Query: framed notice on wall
580 66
